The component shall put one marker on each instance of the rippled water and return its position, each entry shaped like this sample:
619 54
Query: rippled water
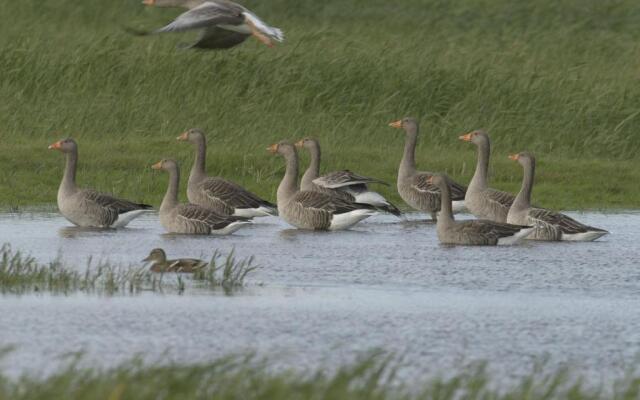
328 296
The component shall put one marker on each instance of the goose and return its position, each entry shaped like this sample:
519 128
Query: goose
412 184
191 218
474 232
161 264
482 201
550 225
87 207
222 24
313 210
344 184
218 194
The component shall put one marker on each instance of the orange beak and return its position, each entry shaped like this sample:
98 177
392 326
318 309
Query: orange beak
273 149
300 143
157 165
396 124
466 138
148 2
57 145
514 157
183 137
430 180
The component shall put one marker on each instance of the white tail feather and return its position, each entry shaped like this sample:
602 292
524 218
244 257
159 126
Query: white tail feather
583 236
347 220
125 218
518 237
270 31
232 227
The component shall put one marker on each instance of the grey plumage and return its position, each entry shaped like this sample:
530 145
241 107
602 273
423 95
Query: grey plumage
221 195
550 225
413 186
88 207
475 232
482 201
191 218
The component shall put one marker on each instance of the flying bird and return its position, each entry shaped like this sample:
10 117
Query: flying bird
222 24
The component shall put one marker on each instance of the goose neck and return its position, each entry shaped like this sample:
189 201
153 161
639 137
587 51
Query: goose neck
523 199
288 186
313 171
479 180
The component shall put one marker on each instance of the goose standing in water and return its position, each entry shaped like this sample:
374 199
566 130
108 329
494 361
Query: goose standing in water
313 210
191 218
482 201
223 24
550 225
344 184
218 194
87 207
160 263
413 185
474 232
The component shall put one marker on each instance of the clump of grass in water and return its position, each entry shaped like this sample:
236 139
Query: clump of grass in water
242 377
21 273
229 274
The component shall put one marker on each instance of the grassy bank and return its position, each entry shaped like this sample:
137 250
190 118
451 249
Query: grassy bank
20 273
244 378
557 78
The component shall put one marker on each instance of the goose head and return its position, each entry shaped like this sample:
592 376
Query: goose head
307 143
193 135
524 158
157 255
408 124
437 180
477 137
67 145
166 165
282 148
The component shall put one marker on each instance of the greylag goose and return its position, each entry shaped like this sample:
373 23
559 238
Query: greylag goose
475 232
218 194
550 225
344 184
412 184
313 210
87 207
223 24
481 200
191 218
160 263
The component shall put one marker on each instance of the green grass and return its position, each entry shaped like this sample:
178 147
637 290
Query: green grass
557 78
371 378
21 274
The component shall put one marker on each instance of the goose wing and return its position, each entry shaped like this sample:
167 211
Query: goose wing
202 217
328 203
232 194
487 232
338 179
420 183
217 38
106 208
566 224
208 14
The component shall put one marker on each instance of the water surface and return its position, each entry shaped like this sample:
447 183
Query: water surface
326 297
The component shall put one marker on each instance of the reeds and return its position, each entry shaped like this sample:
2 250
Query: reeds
21 273
244 377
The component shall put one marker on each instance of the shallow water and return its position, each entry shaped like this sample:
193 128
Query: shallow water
327 297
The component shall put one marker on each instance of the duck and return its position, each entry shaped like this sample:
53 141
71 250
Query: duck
221 195
305 209
472 232
191 218
89 208
345 184
481 200
160 263
412 184
223 24
549 225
